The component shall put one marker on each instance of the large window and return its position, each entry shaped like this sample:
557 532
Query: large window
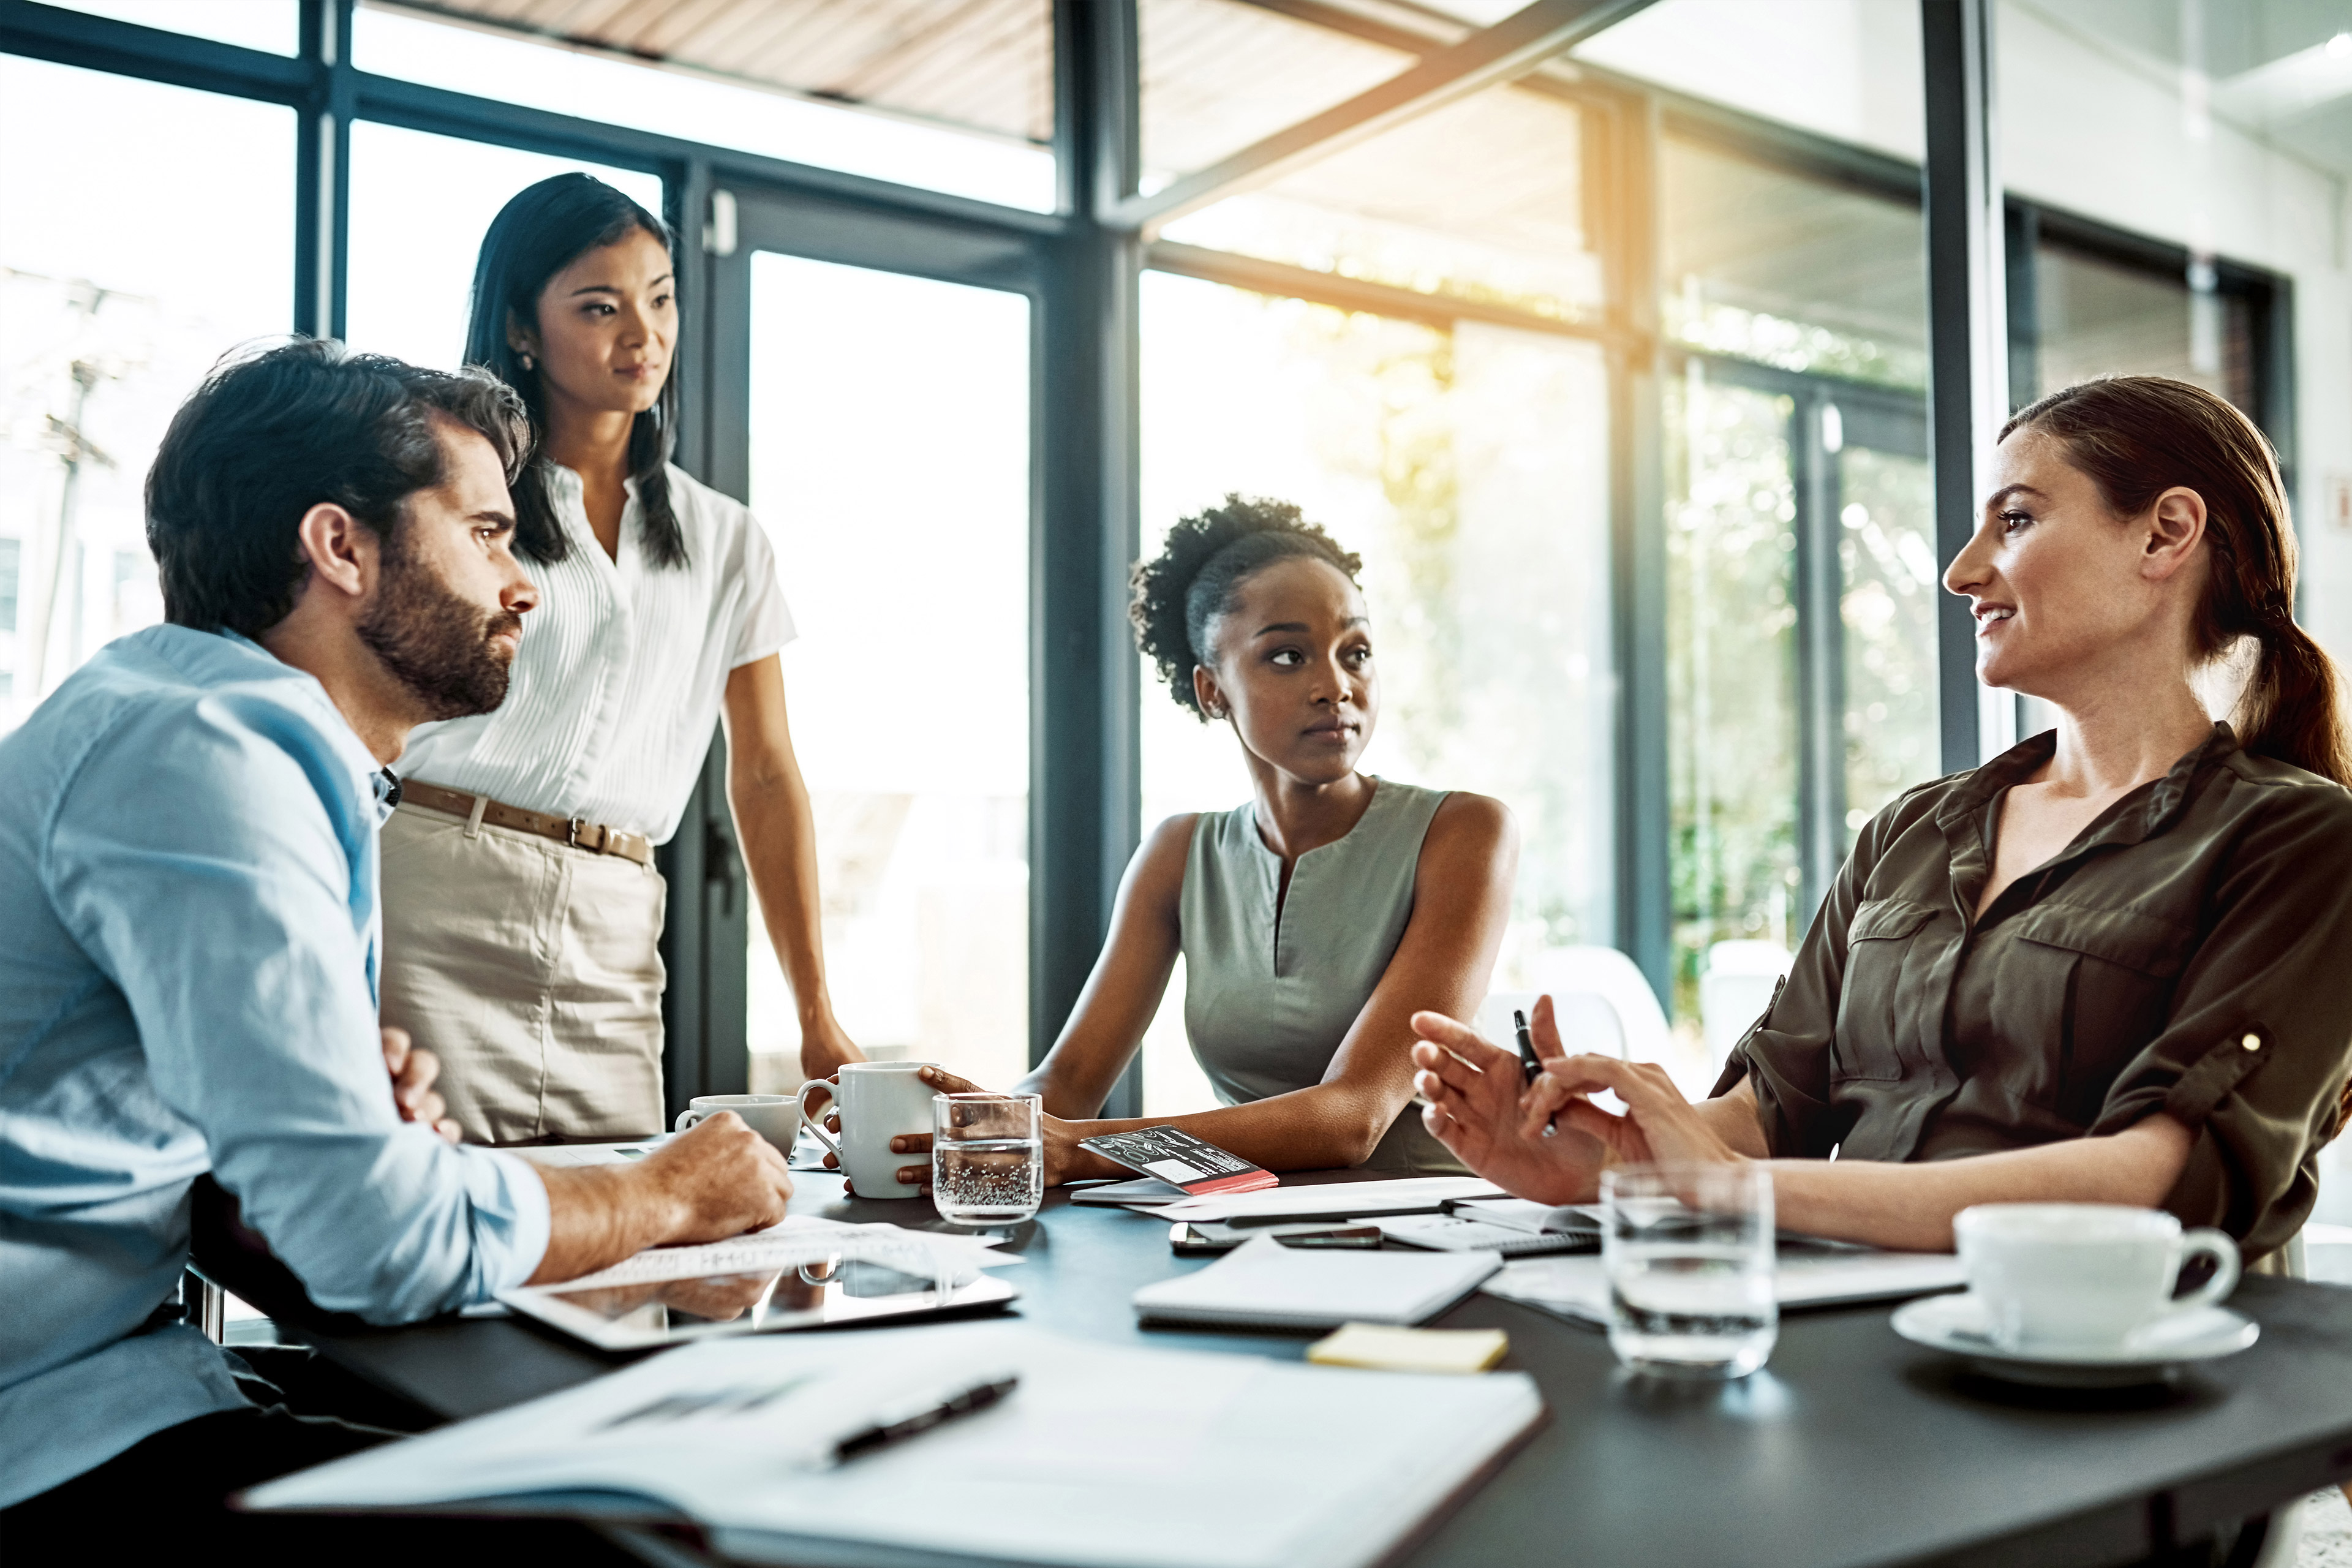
129 262
1802 571
420 206
1467 466
899 505
1615 373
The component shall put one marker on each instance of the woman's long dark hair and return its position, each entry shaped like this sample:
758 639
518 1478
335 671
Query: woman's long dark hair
2138 435
540 232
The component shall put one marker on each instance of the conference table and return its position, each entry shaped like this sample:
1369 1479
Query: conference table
1852 1447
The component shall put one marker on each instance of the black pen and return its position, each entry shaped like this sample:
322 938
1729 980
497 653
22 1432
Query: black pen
1529 1065
923 1413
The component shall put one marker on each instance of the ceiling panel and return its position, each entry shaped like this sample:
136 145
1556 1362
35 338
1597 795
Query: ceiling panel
977 65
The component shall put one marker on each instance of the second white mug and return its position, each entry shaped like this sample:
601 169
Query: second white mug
774 1117
879 1101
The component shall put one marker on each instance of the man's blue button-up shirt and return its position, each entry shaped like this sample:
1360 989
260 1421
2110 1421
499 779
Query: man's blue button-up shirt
188 929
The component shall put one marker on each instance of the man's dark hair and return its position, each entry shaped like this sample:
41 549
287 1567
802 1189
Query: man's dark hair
270 435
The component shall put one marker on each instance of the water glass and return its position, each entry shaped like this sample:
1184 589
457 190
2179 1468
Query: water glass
988 1157
1689 1256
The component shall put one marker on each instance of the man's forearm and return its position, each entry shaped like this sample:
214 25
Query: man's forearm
599 1214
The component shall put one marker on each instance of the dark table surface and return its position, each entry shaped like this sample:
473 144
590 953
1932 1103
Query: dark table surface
1852 1447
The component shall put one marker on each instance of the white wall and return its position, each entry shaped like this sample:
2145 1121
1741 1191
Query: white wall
2090 126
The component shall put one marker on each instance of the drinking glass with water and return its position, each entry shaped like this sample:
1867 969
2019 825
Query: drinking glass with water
1689 1256
988 1157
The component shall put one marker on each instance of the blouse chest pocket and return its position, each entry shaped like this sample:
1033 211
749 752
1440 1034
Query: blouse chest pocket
2098 980
1876 1000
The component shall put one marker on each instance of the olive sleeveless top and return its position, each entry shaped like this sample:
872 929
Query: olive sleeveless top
1269 993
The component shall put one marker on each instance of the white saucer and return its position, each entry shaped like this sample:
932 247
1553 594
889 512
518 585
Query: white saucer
1957 1323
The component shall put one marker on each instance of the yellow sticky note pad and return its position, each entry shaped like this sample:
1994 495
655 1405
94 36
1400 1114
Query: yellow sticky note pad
1384 1349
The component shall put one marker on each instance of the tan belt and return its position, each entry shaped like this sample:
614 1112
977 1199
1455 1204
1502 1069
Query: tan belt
594 836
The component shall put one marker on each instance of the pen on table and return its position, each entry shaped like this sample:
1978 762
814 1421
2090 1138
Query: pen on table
922 1413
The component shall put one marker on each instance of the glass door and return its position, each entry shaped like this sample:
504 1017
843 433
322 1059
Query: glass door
886 418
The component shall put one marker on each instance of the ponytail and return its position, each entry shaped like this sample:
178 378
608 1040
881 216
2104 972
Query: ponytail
2139 436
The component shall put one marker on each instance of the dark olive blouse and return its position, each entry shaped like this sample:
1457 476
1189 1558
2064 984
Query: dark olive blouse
2190 952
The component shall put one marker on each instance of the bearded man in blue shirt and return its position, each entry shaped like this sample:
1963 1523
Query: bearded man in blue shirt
187 983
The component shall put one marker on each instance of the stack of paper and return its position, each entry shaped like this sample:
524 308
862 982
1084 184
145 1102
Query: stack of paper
1332 1200
1578 1289
1102 1457
1264 1284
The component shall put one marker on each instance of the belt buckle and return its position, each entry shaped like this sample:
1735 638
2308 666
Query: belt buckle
572 830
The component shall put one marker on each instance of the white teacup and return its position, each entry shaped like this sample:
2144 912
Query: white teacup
879 1101
774 1117
2061 1277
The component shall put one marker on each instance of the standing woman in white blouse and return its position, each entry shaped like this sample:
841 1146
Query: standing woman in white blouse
522 909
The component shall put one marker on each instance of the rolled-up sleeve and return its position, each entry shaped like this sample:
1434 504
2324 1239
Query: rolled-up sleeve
2257 1045
217 863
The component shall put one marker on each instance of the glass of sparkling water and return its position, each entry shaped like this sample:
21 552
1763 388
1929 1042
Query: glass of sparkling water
988 1157
1689 1256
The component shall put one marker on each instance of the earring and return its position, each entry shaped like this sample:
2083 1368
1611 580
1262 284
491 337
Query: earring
528 362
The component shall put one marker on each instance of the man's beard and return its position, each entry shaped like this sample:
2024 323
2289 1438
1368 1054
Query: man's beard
433 642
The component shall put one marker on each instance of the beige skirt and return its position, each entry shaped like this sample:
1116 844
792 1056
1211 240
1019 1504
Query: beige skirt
533 970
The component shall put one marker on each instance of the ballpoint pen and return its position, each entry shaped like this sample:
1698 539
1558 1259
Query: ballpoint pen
920 1415
1528 1064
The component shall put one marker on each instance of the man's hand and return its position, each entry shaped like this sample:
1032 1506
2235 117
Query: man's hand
716 1180
719 1178
413 1071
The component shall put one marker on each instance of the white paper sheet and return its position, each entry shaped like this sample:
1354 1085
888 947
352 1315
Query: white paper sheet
790 1243
1339 1200
1104 1456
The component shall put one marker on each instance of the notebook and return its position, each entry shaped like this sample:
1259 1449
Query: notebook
1266 1284
1108 1457
1175 1156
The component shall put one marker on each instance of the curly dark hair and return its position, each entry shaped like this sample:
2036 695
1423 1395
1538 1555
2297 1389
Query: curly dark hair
1172 599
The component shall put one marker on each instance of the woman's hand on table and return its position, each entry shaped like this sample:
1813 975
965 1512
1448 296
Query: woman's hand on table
1065 1161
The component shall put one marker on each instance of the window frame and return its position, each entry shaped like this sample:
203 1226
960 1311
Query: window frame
1087 259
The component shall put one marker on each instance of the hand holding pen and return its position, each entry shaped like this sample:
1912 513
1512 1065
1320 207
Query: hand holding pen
1531 1065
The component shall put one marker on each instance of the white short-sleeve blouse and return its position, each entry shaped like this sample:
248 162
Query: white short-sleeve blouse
617 684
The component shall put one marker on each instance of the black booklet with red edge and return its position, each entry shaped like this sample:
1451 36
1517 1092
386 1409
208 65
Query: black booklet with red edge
1182 1160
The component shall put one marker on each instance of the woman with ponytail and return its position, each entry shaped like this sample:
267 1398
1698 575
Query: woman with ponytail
522 914
2109 966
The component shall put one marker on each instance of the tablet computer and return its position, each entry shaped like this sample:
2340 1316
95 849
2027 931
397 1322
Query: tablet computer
642 1313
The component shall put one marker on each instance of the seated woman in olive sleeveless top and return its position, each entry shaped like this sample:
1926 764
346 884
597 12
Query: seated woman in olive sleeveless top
1312 921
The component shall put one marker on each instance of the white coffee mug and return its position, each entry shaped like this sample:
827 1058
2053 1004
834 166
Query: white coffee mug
775 1117
2058 1277
879 1101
